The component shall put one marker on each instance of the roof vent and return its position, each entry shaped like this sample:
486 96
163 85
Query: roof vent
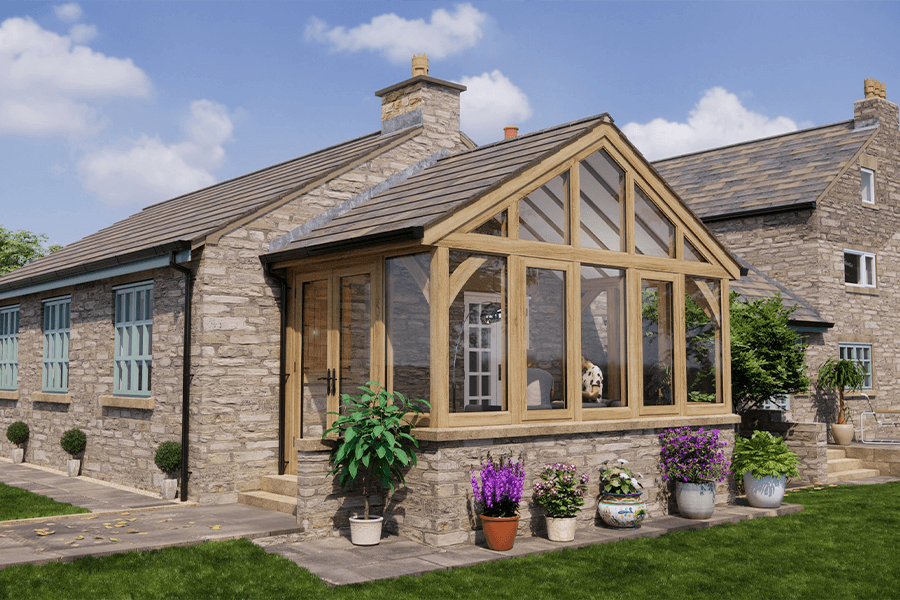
875 89
419 65
510 132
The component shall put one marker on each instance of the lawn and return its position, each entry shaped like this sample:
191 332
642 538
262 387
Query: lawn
16 503
843 545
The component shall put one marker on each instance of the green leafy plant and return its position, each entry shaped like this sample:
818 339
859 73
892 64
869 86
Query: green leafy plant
837 375
74 442
17 433
168 457
763 455
561 491
618 479
375 440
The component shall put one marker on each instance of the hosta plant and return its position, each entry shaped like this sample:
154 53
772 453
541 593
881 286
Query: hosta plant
617 479
561 490
763 455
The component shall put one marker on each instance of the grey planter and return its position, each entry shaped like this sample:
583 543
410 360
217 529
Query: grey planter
168 487
17 455
695 500
74 467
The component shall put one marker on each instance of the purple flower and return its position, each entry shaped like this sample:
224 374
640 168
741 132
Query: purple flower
500 490
692 456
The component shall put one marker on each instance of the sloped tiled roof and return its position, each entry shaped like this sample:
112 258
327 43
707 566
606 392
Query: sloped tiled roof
755 285
776 173
437 191
179 222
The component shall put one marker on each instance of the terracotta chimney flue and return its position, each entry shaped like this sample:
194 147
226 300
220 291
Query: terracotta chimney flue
510 132
875 89
419 65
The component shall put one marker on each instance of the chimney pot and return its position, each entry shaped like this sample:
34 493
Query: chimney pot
510 132
419 65
875 89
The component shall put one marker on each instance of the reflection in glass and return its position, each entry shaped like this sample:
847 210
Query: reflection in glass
691 253
546 354
654 233
408 324
543 216
657 343
602 193
477 332
495 226
355 331
702 317
314 356
603 357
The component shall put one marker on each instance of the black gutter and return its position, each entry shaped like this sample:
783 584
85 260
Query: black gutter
282 375
185 375
773 210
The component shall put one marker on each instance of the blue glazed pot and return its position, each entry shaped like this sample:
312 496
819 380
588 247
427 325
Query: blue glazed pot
622 511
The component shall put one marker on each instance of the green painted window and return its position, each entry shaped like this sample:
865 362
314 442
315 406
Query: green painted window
133 360
9 347
55 374
862 354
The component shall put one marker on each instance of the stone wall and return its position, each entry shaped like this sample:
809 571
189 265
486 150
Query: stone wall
435 506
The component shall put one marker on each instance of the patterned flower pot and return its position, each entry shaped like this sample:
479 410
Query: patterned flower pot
622 511
499 532
365 532
766 492
560 529
695 500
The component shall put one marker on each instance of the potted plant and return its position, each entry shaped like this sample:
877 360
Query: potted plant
17 433
561 492
375 442
620 505
497 499
73 441
168 459
694 460
765 462
835 376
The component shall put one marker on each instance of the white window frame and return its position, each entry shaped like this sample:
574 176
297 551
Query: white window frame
9 348
133 350
867 180
859 353
866 268
56 326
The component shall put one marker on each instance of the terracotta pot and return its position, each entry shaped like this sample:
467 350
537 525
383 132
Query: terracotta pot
842 433
499 532
365 532
695 500
765 492
560 529
622 511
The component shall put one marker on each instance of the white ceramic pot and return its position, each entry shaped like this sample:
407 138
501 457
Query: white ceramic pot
695 500
168 488
365 532
842 433
766 492
561 529
74 466
17 455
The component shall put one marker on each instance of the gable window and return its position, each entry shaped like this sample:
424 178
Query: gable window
133 358
9 347
859 353
868 185
859 268
55 372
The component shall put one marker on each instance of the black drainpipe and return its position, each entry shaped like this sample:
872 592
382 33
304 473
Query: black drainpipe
185 375
281 366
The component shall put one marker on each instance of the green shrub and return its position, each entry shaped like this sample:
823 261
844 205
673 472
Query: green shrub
764 455
17 433
73 441
168 457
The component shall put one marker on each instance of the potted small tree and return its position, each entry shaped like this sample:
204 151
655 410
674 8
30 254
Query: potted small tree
694 460
620 505
561 492
74 442
835 376
765 463
497 499
374 445
168 459
17 433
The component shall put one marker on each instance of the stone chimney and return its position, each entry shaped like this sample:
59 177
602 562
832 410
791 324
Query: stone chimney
510 132
423 101
874 106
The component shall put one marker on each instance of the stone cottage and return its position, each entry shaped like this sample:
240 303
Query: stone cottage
818 211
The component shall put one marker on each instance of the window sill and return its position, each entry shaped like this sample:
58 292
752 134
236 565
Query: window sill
9 394
125 402
858 289
51 397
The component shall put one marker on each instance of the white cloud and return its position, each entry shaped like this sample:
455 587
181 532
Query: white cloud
68 12
398 38
490 103
718 119
82 34
51 84
148 170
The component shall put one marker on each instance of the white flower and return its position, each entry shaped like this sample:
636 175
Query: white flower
622 461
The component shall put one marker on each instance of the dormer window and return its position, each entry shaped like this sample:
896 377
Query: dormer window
859 268
868 185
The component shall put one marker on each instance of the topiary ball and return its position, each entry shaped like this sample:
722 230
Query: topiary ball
168 457
73 441
17 433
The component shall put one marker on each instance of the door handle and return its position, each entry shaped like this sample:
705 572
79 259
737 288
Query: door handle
330 380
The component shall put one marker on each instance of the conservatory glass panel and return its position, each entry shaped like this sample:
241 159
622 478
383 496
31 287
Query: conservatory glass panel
603 352
543 214
602 196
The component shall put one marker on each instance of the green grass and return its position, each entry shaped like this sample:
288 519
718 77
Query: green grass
843 545
16 503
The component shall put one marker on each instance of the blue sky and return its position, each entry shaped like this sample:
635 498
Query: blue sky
107 107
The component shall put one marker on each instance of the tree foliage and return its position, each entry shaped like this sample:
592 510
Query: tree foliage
768 357
18 248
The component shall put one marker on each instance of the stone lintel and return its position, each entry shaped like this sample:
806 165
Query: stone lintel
55 398
9 394
126 402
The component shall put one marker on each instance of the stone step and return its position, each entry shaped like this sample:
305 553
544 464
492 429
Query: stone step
848 475
835 453
844 464
269 501
285 485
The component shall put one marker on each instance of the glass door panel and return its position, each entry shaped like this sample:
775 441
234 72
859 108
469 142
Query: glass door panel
355 333
657 345
546 327
315 372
